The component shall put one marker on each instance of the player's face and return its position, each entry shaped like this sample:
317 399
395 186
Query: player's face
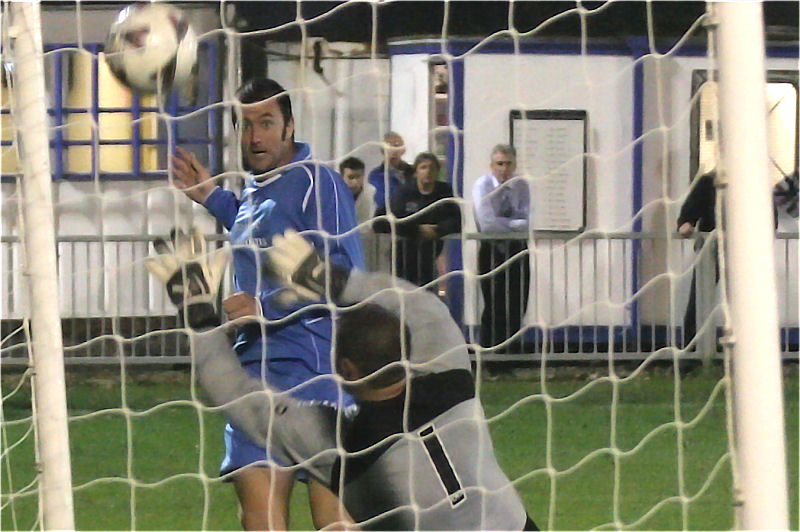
354 180
395 149
266 139
425 172
503 166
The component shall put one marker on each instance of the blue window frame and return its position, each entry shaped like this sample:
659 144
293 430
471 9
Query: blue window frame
191 121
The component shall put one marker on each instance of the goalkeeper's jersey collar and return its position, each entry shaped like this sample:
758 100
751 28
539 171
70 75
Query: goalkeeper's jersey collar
302 153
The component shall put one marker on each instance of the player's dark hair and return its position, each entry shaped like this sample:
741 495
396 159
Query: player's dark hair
260 89
370 337
353 163
427 156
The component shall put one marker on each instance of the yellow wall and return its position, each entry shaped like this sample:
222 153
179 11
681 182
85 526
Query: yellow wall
8 157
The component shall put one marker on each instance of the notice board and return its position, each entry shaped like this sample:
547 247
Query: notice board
551 153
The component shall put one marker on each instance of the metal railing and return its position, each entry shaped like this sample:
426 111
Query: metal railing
589 296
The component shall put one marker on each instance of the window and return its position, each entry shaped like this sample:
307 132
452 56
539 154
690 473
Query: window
439 112
132 132
782 123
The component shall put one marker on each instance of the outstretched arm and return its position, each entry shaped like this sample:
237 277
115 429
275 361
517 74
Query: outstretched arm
194 180
192 279
437 343
245 402
436 340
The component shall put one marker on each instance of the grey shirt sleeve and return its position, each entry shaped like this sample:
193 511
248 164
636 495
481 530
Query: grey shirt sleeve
437 343
242 398
292 432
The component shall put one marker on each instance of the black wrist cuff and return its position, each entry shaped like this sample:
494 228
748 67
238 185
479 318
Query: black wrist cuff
339 277
199 316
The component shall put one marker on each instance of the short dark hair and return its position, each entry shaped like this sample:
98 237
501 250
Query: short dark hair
427 156
370 337
353 163
260 89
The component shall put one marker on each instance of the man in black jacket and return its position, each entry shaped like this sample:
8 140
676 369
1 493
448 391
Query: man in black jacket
425 212
697 213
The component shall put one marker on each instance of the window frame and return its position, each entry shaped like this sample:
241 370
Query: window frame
699 77
57 70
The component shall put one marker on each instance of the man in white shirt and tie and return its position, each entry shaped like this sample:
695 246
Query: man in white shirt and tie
502 205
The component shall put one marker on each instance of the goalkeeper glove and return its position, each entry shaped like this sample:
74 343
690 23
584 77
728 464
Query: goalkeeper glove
293 262
191 275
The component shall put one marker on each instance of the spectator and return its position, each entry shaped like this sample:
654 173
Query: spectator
393 172
502 205
424 216
697 213
352 170
785 194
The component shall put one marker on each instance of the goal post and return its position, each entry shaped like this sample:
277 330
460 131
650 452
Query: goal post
46 347
760 461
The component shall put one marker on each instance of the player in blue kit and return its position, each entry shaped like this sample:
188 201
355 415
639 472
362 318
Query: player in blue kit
287 189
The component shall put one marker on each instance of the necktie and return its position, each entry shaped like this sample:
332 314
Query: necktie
505 209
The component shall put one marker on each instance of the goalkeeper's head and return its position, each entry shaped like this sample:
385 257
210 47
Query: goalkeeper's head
371 342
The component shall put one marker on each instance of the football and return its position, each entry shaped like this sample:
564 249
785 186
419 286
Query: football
151 47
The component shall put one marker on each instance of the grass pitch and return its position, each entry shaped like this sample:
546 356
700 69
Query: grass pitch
145 457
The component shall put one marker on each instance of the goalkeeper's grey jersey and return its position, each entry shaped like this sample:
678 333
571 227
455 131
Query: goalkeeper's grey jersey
442 474
423 460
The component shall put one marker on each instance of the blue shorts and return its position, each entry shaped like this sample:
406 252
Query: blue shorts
303 384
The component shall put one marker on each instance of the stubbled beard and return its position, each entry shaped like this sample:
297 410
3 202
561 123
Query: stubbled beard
246 165
255 172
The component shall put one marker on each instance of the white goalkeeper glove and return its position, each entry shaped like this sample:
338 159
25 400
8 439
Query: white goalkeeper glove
293 262
191 275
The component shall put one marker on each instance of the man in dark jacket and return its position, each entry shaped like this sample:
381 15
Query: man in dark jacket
425 211
697 213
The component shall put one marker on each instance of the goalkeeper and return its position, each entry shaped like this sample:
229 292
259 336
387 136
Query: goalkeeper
418 453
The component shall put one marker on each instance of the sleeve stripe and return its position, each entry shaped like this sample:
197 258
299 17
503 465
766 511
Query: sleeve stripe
310 187
336 205
335 195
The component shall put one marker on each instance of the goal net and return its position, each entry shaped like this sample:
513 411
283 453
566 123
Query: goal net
601 327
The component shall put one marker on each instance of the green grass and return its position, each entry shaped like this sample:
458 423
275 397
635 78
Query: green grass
140 464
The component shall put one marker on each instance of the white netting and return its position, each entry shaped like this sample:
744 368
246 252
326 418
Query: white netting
613 113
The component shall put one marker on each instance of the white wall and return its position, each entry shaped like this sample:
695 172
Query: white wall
665 183
494 84
603 86
357 88
410 110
